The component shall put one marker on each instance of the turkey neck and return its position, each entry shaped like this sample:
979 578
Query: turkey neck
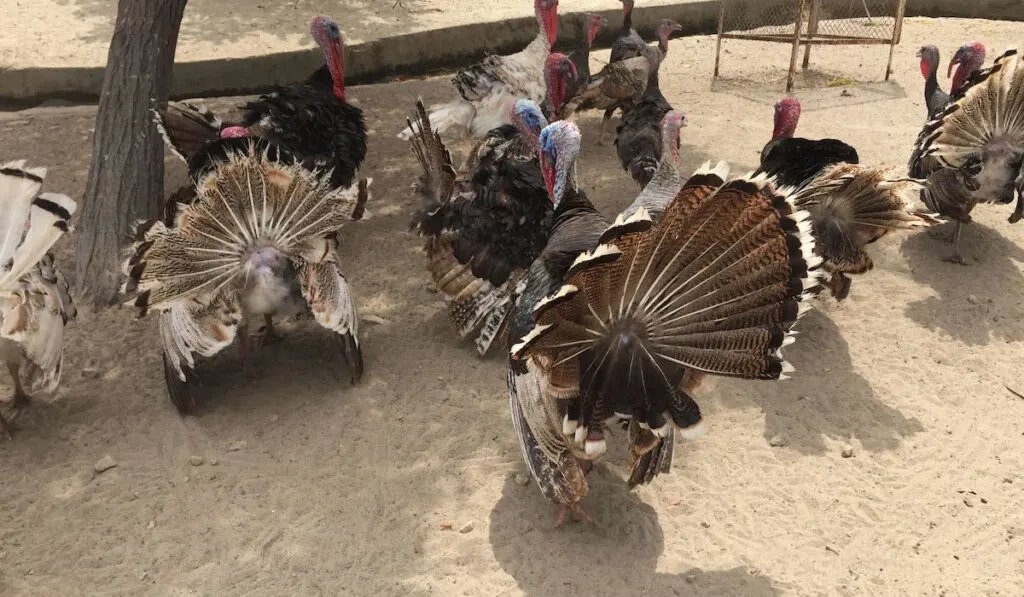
627 20
931 84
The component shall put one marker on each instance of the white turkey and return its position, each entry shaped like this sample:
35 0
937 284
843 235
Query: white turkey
35 304
489 89
257 239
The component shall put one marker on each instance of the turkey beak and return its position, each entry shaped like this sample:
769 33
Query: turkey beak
953 62
547 168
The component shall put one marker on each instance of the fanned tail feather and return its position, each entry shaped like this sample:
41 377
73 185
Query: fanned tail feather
453 117
245 200
436 183
186 127
852 206
30 223
989 111
714 288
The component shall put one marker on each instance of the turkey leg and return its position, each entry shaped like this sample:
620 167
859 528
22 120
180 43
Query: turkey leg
268 336
1018 211
20 401
956 257
243 349
604 125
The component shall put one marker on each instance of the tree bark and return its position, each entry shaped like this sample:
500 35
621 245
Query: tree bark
126 176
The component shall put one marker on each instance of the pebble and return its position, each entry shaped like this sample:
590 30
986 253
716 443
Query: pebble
521 479
104 464
973 299
706 524
777 441
214 462
466 527
151 525
237 445
195 460
91 370
274 418
847 452
968 501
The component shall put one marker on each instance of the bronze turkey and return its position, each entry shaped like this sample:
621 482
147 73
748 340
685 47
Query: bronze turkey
620 322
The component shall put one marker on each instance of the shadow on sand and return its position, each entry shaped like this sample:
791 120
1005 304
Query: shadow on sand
617 556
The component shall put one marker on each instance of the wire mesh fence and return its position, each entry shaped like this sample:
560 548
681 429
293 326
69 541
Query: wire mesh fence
811 22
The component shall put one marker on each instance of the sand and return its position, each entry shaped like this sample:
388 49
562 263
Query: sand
311 487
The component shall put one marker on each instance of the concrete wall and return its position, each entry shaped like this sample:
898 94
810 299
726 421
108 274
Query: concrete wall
420 53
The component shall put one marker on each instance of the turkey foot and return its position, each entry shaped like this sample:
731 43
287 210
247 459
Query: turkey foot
266 334
955 241
576 510
18 402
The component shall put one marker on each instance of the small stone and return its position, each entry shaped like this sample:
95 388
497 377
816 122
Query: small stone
91 370
375 320
143 576
214 462
847 452
274 418
104 464
691 578
521 479
777 441
968 501
705 524
973 299
195 460
983 500
466 527
151 525
237 445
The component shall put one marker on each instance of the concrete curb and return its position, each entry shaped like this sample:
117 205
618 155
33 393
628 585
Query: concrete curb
414 54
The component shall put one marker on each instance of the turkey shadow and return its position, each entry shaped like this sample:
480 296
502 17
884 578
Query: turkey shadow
616 556
976 303
824 397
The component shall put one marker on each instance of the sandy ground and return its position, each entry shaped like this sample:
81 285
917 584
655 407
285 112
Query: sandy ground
240 28
311 487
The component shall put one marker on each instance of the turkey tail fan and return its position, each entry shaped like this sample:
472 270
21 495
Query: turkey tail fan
475 306
852 206
714 288
437 182
186 127
990 110
29 223
246 201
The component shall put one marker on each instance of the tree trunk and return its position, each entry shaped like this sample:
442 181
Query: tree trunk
126 176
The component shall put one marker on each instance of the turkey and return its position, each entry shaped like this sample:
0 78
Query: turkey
35 304
638 135
482 229
258 240
628 42
850 206
664 181
621 322
312 121
935 99
973 152
618 84
489 89
580 57
792 161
